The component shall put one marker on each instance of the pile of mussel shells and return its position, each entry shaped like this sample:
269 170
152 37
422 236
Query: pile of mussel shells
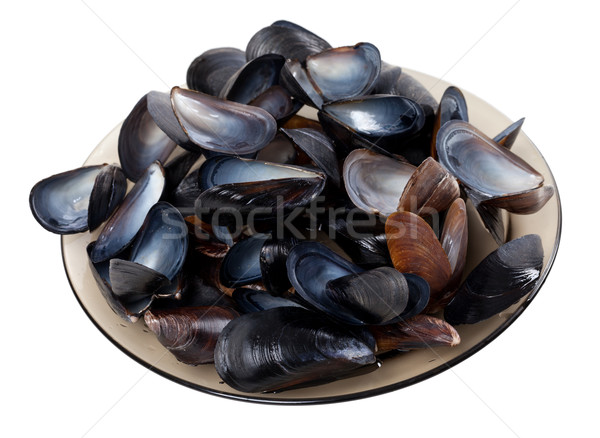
290 251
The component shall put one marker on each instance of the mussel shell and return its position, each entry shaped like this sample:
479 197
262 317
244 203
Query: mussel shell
250 300
362 237
310 266
382 119
344 72
190 333
280 150
508 136
195 292
277 102
287 347
386 81
490 216
481 164
108 192
345 291
408 86
225 169
222 126
124 224
500 280
294 78
273 268
177 169
61 203
253 79
141 141
420 331
241 265
319 149
160 107
133 282
453 106
346 139
162 242
430 190
210 71
418 298
259 200
377 296
527 202
375 182
415 249
185 194
454 239
129 312
286 39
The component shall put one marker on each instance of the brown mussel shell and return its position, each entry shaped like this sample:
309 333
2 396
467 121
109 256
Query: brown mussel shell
190 333
430 190
415 249
420 331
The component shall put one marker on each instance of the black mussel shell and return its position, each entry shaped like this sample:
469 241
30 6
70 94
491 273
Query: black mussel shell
108 192
209 72
124 224
253 79
385 120
375 182
129 311
344 72
294 78
288 347
386 81
481 164
507 137
377 296
500 280
250 300
190 333
241 265
162 242
280 150
492 174
235 203
453 106
273 258
409 87
195 292
346 292
61 203
177 169
225 169
319 149
362 237
132 282
286 39
277 102
141 141
185 194
200 122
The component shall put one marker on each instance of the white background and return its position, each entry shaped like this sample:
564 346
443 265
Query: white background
67 80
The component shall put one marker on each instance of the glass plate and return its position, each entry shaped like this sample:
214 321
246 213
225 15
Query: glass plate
396 372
